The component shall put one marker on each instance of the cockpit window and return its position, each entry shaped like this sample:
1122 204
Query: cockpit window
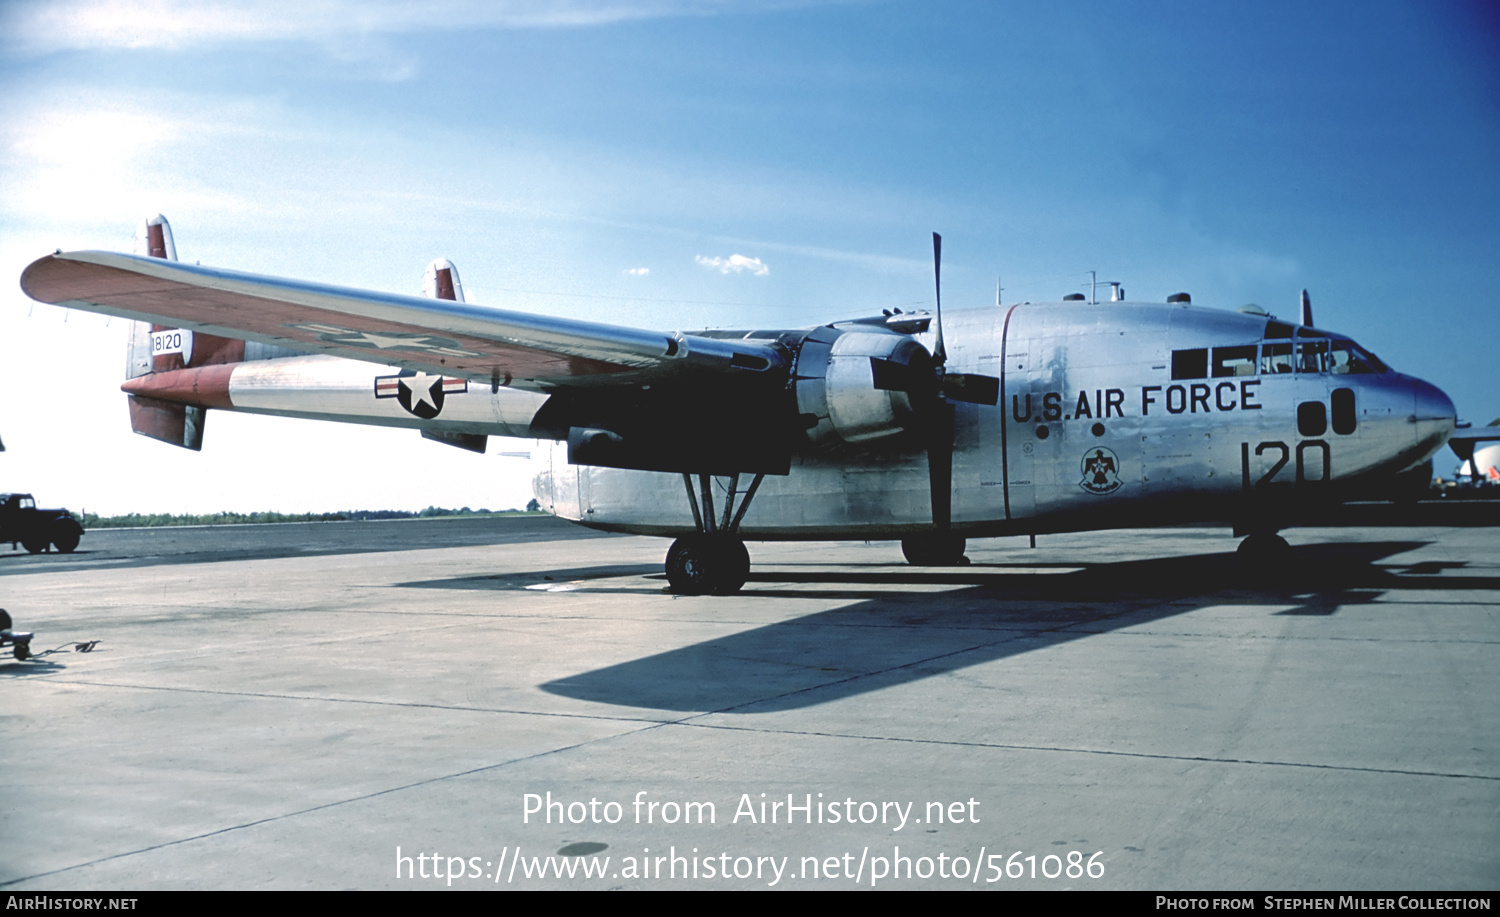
26 503
1190 364
1276 358
1349 357
1312 356
1234 361
1309 352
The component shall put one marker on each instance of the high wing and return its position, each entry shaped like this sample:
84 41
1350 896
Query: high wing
459 339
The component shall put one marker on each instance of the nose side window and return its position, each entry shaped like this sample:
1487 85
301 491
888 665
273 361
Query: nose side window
1312 418
1344 420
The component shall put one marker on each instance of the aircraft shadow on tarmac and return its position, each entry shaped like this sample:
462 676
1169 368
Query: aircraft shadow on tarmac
888 637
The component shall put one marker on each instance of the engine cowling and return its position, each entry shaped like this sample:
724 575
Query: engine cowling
857 386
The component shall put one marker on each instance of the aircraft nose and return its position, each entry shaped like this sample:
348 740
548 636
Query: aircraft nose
1433 414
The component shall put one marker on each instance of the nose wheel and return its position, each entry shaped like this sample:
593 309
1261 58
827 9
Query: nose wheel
937 550
1264 553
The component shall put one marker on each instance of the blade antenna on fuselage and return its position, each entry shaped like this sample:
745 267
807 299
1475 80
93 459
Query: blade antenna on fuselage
1306 310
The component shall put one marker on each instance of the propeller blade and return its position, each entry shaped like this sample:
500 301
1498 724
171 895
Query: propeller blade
938 353
1306 309
940 464
971 388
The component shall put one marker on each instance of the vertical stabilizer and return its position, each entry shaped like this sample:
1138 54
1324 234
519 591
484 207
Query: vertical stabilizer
441 281
157 348
153 238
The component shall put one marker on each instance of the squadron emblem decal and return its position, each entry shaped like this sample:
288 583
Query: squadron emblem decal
420 393
1101 471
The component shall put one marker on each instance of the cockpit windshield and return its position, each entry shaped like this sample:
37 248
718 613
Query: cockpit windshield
1349 357
1286 350
1316 352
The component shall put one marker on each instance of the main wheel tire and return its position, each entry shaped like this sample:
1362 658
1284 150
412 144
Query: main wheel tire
736 566
707 565
65 535
1264 553
934 550
689 565
36 544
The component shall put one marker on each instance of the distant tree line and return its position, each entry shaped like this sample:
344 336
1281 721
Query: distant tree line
140 520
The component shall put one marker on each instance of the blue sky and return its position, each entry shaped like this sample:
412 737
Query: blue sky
607 159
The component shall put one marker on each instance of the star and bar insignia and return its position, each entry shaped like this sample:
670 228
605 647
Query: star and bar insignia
385 340
420 393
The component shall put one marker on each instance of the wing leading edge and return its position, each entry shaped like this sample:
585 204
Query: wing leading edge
500 346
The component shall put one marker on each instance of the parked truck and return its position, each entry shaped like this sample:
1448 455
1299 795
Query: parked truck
35 529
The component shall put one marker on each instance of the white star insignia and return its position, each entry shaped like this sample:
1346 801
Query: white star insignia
376 340
420 386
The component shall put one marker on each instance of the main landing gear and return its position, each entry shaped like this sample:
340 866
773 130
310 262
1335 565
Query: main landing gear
713 560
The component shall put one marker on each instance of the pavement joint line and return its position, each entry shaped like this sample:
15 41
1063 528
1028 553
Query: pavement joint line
1289 638
906 665
1079 626
1086 751
360 700
318 808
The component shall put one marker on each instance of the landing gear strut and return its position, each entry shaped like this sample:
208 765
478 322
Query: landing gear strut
713 560
945 550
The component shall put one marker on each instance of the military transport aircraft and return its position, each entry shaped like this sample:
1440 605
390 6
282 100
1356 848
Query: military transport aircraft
1021 419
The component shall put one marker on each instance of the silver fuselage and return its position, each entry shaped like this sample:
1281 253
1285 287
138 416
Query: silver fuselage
1110 415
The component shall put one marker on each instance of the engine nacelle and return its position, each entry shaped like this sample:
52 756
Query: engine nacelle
856 386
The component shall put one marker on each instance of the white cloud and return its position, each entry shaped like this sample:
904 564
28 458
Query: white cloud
49 25
638 271
83 155
735 264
